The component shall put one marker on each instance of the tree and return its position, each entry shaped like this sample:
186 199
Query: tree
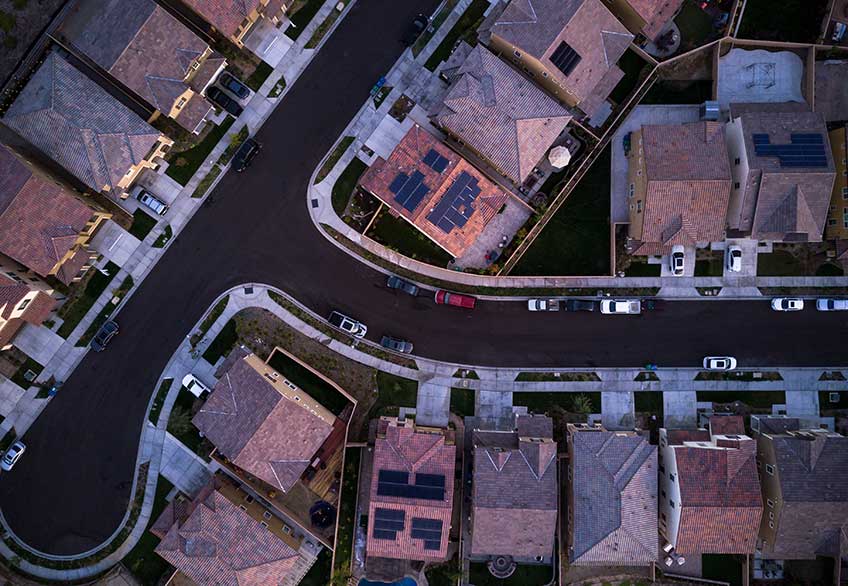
180 421
581 404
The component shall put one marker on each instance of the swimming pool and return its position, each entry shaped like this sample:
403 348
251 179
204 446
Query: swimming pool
402 582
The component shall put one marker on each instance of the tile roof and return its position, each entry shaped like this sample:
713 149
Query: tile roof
727 425
215 542
614 485
225 15
413 450
78 124
263 426
587 26
501 114
655 13
39 220
407 158
12 293
142 45
515 492
688 185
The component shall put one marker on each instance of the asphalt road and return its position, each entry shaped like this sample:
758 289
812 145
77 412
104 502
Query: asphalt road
71 489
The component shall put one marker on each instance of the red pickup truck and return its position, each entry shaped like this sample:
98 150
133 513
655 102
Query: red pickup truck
455 299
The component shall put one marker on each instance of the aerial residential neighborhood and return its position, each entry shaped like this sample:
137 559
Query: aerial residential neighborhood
424 293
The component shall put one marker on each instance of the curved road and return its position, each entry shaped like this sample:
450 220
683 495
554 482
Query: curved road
71 490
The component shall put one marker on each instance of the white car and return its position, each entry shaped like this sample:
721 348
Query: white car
12 455
621 306
787 304
676 260
734 259
543 304
348 324
194 386
719 363
832 304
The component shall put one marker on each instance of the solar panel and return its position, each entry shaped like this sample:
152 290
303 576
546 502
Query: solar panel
430 480
430 530
435 161
398 476
387 523
565 58
431 157
426 524
396 483
399 182
416 197
455 207
805 150
440 165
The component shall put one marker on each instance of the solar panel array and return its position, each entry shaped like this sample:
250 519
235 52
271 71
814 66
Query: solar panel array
455 208
805 150
430 487
409 190
565 58
436 161
430 530
387 523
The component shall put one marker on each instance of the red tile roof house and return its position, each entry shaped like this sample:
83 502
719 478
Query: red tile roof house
411 497
21 303
679 187
783 172
147 50
501 115
710 499
570 47
648 17
43 226
436 190
235 18
515 493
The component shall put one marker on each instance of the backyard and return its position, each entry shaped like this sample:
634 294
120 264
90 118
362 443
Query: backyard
399 235
464 29
315 386
525 575
696 26
347 511
632 65
796 21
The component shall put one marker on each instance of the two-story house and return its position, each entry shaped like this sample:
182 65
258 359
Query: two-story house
235 18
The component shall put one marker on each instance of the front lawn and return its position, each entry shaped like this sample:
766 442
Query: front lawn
107 311
710 267
346 183
401 236
300 15
576 240
793 20
259 75
147 567
825 404
315 386
779 263
347 511
161 394
222 344
469 21
462 402
181 427
524 576
19 377
75 309
649 402
333 158
571 402
184 164
643 269
393 391
142 224
764 399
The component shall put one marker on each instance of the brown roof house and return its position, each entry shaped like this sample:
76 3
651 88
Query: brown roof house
515 492
570 47
612 497
235 18
226 537
78 124
146 49
679 186
21 301
709 490
804 478
436 190
646 17
501 115
837 215
44 226
783 173
411 498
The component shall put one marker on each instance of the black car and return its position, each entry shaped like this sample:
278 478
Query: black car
243 157
395 282
231 84
396 344
416 27
217 96
106 332
579 305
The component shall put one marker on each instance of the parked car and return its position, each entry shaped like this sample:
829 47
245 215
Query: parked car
676 260
149 200
719 363
245 154
348 324
217 96
621 306
12 455
106 332
396 344
543 304
395 282
734 259
787 304
414 30
194 386
228 81
832 304
579 305
455 299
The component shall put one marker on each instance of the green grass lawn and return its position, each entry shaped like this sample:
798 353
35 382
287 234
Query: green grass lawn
107 311
752 398
725 568
259 75
643 269
301 18
695 25
631 64
73 311
394 391
347 510
466 23
324 27
333 158
541 402
161 394
446 574
778 264
313 385
29 364
829 270
793 20
222 344
401 236
181 427
210 319
142 224
649 402
462 402
184 164
345 184
435 24
142 561
319 573
523 576
576 241
712 267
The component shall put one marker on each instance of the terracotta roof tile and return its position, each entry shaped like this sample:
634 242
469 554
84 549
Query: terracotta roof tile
655 13
227 15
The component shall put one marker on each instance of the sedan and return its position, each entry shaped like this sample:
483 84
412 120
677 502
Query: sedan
234 86
217 96
832 304
106 332
621 306
12 455
787 304
455 299
579 305
399 284
719 363
396 344
416 27
245 154
194 386
734 259
676 260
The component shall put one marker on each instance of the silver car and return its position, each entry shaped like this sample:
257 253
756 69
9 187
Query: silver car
719 363
150 201
12 455
832 304
396 344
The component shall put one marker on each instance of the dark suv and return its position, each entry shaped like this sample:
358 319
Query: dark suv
416 27
217 96
248 149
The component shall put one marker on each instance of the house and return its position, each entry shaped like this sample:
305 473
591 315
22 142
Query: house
612 498
21 302
44 226
837 215
646 17
679 186
235 18
227 537
515 496
83 128
710 499
783 172
263 424
436 190
500 115
569 47
411 496
804 478
147 50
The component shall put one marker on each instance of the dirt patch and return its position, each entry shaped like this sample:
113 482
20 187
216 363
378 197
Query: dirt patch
21 23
